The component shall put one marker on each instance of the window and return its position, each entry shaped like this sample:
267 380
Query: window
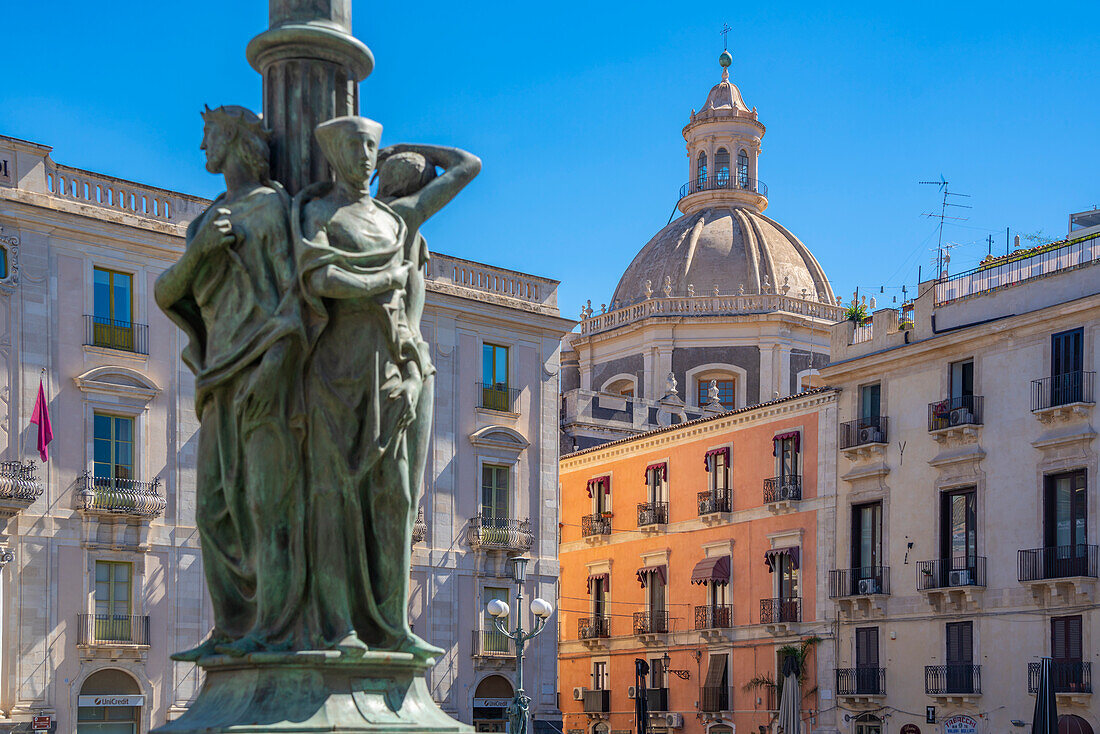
112 295
787 577
718 596
601 495
701 168
1066 363
623 387
657 673
867 664
1066 654
1066 517
494 366
656 484
958 527
112 600
786 455
3 262
870 401
495 495
960 657
716 686
719 471
743 169
868 724
655 600
962 379
725 393
598 594
112 448
494 641
722 166
867 543
599 676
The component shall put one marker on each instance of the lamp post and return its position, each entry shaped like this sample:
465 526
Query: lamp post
521 702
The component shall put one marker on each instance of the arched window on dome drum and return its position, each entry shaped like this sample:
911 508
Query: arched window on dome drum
722 166
743 169
701 168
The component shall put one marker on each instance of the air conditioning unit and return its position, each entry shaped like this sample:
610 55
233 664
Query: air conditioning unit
578 694
870 435
868 586
959 578
787 492
674 721
631 692
960 417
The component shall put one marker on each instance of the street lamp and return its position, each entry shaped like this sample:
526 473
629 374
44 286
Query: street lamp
498 609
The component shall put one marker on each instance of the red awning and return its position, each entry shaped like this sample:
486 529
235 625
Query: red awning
598 578
712 571
771 557
796 435
647 571
662 466
724 451
605 480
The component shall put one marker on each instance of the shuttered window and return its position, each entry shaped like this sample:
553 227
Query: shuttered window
867 647
960 643
716 672
1065 639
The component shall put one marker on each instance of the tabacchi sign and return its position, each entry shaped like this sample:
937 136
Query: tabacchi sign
110 700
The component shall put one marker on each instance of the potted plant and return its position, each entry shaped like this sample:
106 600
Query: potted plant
857 312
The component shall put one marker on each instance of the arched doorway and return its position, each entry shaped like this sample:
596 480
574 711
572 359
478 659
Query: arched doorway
601 728
1070 724
868 724
109 702
491 699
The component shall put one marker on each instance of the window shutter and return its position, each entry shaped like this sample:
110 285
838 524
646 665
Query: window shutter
960 643
867 647
716 671
1065 639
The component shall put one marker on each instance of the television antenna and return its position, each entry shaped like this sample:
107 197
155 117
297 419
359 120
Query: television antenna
942 257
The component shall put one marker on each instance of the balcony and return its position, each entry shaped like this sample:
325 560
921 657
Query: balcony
1062 396
714 699
958 683
420 528
861 684
493 644
780 492
715 501
593 628
780 614
714 616
114 496
499 534
864 437
498 397
648 625
859 590
657 699
596 527
958 581
105 632
954 416
1067 571
652 513
122 335
597 702
723 180
19 486
1072 680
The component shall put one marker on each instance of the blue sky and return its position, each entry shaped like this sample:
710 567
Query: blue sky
576 110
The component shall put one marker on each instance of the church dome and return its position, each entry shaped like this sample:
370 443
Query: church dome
728 247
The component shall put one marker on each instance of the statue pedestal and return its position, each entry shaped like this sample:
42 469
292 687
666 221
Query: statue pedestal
314 692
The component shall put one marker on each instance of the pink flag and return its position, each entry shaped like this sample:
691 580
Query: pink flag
41 416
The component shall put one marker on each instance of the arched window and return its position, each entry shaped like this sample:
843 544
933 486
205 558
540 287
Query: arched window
743 169
722 166
701 168
3 262
122 715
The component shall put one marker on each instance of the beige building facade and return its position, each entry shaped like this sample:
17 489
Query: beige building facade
967 498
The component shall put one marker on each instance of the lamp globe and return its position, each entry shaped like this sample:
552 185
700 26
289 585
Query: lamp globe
541 608
497 608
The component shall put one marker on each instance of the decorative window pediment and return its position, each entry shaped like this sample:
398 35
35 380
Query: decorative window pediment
118 382
501 438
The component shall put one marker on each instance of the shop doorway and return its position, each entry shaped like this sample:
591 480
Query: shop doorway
110 702
491 699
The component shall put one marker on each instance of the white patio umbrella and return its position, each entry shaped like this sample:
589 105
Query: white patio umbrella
790 719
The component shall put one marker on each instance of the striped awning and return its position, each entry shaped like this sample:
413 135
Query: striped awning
661 467
771 557
645 572
712 571
796 435
597 578
597 481
724 451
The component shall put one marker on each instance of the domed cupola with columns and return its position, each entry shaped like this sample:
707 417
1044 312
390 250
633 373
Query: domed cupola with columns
723 308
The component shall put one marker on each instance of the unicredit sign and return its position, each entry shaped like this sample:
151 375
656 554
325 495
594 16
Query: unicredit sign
110 700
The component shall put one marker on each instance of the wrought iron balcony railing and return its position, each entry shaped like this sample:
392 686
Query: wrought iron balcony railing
1072 387
723 180
946 573
779 489
859 581
595 525
119 496
1058 562
112 629
956 679
1068 676
497 397
861 681
863 431
499 533
420 528
122 335
713 616
492 644
593 627
965 410
652 513
718 500
19 481
597 702
774 611
713 699
648 623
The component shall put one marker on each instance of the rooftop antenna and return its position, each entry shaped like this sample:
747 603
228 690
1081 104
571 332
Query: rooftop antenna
941 253
725 32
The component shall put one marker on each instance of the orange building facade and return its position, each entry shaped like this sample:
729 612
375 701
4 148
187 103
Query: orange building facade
701 548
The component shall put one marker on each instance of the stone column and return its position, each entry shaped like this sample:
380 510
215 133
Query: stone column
311 67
